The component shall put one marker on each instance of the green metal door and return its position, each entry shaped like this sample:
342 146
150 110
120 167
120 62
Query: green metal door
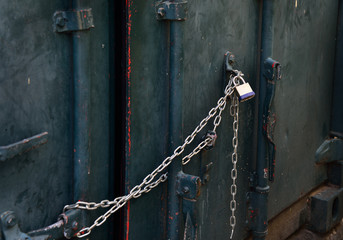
303 42
38 95
114 87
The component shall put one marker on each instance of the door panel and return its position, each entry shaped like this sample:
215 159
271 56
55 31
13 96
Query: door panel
210 30
37 95
304 43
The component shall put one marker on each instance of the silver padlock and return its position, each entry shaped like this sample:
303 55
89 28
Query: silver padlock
244 92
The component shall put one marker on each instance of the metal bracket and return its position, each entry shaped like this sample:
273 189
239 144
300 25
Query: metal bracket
68 224
272 69
213 136
172 11
188 187
331 150
74 20
229 61
205 176
326 209
9 227
25 145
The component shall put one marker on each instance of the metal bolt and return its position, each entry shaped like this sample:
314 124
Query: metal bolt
11 221
161 12
185 190
60 21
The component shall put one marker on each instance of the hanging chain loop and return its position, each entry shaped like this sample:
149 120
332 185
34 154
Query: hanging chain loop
234 111
148 183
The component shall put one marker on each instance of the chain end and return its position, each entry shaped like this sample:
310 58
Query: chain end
231 236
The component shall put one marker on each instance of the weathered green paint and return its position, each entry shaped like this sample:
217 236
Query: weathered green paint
36 95
213 28
205 43
147 118
304 40
304 43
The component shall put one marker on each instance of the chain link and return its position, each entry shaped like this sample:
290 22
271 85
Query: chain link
148 182
234 110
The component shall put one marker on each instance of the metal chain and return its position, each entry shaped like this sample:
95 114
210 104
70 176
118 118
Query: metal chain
234 110
148 184
221 104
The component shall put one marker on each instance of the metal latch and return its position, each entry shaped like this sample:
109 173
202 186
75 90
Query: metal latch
67 225
25 145
74 20
188 187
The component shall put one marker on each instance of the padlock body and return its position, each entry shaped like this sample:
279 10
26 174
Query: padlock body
244 92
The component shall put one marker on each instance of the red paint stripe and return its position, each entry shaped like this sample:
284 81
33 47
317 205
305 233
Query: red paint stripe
128 79
128 73
127 220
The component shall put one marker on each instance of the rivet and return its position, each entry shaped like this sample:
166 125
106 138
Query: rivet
60 21
185 190
161 12
11 221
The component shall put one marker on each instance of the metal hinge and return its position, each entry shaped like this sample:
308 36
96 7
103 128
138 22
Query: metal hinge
73 20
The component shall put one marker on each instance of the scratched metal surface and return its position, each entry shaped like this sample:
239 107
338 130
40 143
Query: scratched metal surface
304 34
36 96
